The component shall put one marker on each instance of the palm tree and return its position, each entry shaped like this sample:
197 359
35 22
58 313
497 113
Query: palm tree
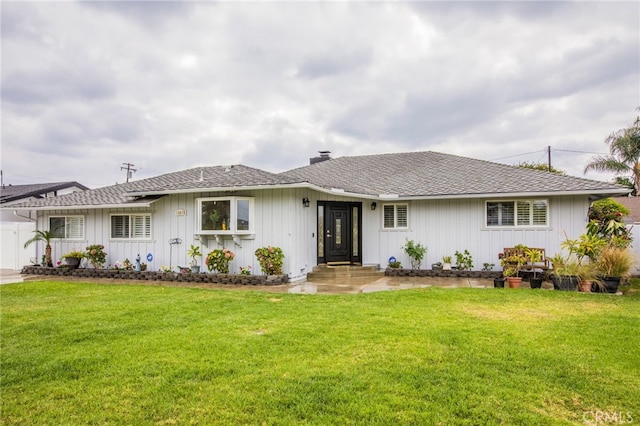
624 155
45 236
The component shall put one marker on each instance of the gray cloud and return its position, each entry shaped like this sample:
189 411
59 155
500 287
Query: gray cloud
171 85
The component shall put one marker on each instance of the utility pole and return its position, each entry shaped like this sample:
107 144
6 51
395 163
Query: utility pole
129 168
549 156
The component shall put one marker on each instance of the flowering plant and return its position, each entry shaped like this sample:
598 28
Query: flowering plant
270 259
96 255
245 271
165 269
218 260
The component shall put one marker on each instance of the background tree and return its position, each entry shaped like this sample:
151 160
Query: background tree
624 155
625 181
540 166
45 236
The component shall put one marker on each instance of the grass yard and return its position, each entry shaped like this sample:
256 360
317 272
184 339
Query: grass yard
76 353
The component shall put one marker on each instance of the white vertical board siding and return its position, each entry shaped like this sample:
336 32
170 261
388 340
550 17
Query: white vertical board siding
280 219
447 226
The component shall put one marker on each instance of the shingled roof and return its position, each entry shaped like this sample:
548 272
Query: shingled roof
404 175
143 192
433 174
10 193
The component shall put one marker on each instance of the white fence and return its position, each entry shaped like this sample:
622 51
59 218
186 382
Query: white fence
635 246
14 235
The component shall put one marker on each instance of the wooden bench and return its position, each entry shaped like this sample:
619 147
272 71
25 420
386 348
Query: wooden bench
542 264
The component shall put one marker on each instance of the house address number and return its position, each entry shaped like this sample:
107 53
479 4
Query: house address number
181 212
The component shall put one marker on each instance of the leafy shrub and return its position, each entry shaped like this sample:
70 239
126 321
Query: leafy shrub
416 252
96 256
219 259
464 260
270 259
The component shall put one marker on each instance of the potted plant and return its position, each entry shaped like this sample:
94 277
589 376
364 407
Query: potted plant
446 263
193 253
511 275
565 275
589 278
613 263
511 268
534 256
73 259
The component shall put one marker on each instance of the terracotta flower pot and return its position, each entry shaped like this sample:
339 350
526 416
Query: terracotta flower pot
514 282
585 286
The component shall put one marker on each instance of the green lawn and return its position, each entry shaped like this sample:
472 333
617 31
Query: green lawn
77 353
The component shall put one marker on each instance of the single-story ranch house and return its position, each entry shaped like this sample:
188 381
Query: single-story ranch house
359 210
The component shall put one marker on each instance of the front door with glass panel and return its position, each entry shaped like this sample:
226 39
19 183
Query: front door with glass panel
339 232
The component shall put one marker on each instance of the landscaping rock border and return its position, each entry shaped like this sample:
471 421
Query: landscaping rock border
122 274
399 272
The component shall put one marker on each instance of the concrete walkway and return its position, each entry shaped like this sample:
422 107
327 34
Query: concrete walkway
9 276
339 286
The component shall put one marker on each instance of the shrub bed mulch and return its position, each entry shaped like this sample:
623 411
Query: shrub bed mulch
206 278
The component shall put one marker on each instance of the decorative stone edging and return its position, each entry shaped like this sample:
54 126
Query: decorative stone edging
399 272
158 276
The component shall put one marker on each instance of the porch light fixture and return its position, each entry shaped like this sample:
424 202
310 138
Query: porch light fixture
374 205
305 202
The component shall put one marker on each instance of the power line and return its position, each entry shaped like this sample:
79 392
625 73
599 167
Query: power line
581 152
518 155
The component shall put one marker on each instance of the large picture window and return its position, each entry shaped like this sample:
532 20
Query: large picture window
517 213
131 226
225 215
395 216
67 227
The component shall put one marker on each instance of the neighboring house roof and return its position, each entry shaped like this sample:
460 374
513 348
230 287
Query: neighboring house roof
433 174
12 193
385 176
633 204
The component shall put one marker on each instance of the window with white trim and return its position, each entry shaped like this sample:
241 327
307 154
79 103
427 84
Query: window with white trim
521 213
225 215
67 227
395 216
131 226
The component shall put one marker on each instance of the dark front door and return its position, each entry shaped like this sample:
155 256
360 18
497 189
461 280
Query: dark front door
340 225
338 238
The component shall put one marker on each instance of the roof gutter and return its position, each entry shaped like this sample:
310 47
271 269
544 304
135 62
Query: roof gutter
83 207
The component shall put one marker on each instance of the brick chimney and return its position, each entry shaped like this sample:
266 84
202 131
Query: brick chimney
324 156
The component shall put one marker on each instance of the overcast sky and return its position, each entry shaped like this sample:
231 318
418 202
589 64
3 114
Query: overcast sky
166 86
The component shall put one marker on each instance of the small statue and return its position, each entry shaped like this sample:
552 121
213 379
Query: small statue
138 266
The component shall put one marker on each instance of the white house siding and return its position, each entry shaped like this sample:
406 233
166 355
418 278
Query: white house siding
280 220
447 226
444 226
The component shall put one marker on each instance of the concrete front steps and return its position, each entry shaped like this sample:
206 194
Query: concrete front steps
333 273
